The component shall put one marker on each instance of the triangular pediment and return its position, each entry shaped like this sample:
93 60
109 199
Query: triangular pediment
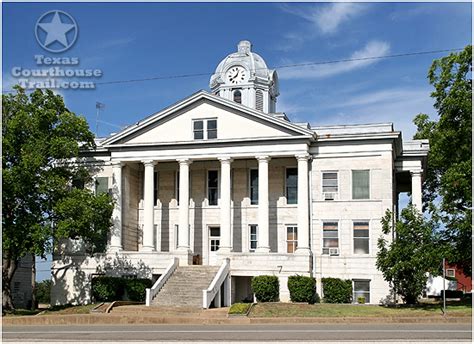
234 121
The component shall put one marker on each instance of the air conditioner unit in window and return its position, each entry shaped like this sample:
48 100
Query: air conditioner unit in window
325 250
329 196
334 251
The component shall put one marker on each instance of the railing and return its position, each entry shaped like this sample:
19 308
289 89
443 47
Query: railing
151 293
210 293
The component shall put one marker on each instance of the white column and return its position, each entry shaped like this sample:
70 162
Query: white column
116 233
416 193
149 207
263 244
225 205
183 235
303 204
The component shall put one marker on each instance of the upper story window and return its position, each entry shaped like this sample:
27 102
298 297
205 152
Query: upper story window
101 185
450 273
253 186
361 237
330 238
238 96
291 185
212 187
330 187
360 184
205 129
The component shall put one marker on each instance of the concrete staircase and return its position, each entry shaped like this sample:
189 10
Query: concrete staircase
184 287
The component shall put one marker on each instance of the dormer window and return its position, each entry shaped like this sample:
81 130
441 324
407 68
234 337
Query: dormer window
238 96
205 129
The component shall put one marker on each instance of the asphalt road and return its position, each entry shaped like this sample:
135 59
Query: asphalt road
206 333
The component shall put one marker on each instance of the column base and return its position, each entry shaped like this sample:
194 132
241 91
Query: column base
224 250
114 249
262 250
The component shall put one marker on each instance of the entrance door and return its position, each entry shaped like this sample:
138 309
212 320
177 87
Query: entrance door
214 244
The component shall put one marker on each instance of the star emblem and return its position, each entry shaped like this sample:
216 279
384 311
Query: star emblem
56 31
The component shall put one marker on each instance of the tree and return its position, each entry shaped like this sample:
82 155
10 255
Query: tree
412 253
43 177
43 291
447 188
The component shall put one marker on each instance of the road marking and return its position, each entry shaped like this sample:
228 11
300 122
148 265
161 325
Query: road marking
238 331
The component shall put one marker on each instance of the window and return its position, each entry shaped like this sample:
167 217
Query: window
259 100
450 273
291 238
198 128
253 237
330 182
238 97
212 187
212 129
176 235
205 129
253 186
361 288
361 237
155 187
330 238
291 185
101 185
214 233
360 184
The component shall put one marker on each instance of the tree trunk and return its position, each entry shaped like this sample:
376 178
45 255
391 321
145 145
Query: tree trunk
33 282
8 270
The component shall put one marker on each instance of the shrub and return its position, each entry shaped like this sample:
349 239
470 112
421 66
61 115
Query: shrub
361 300
266 288
136 288
240 308
105 288
302 289
336 290
43 291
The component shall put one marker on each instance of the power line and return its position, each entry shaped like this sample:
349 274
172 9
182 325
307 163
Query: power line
316 63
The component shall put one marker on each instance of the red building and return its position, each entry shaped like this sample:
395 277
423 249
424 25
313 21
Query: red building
464 282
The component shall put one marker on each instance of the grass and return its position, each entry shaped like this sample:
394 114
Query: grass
350 310
21 312
240 308
66 309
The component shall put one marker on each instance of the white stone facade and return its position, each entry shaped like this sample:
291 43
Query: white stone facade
166 157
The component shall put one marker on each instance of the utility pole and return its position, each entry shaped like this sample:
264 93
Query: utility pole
98 107
444 287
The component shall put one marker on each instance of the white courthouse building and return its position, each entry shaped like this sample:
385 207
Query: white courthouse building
221 187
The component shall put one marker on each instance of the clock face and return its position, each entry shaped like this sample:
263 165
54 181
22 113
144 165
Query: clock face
236 75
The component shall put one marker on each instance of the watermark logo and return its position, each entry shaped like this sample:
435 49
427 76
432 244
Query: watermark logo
56 31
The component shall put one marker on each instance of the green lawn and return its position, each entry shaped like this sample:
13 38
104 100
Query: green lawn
350 310
66 309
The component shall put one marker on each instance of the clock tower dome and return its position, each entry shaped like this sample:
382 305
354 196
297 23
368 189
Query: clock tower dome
244 77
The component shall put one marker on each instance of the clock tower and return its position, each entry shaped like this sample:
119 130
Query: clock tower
244 77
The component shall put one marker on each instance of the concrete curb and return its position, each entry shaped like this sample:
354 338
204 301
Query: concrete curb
109 319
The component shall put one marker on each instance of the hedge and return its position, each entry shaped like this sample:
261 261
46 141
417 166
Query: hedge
337 290
266 288
106 289
302 289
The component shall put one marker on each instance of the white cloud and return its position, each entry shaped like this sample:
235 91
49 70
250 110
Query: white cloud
371 49
327 18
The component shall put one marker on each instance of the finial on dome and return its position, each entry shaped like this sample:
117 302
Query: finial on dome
244 47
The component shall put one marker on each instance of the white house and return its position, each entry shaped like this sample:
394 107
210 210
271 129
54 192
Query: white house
220 179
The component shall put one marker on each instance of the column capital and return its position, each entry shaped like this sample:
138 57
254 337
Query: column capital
184 161
303 156
149 162
416 172
263 158
225 159
117 164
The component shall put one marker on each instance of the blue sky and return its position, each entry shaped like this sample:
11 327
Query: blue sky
142 40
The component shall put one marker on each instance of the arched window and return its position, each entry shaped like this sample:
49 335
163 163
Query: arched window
259 100
238 97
